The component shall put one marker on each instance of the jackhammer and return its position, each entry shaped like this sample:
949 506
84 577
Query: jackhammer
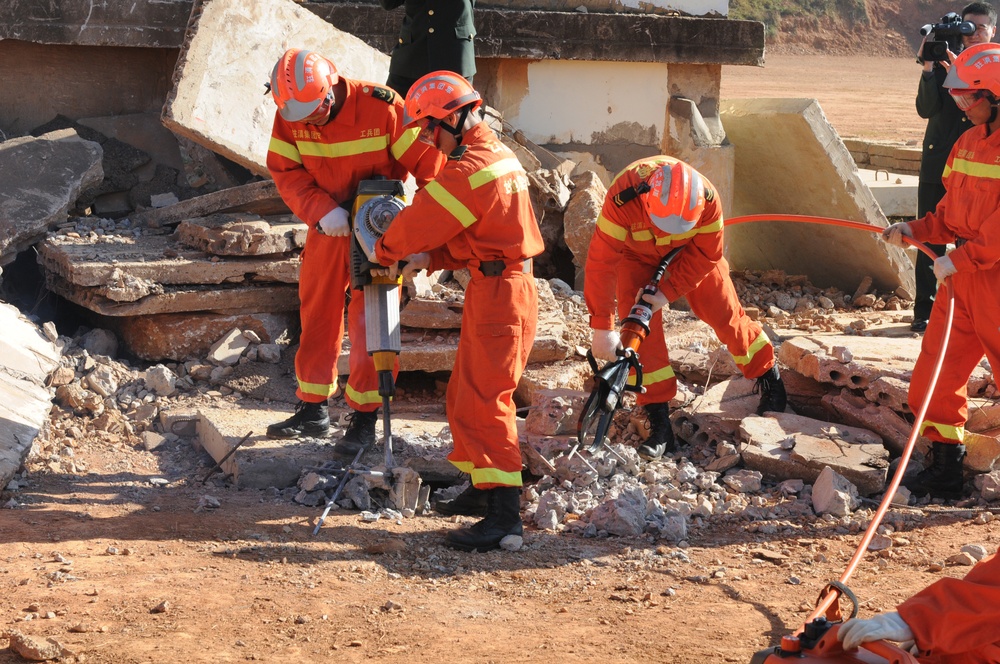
376 205
611 381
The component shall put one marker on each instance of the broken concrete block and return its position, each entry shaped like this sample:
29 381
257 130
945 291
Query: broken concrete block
555 412
981 452
431 313
856 411
26 360
40 179
260 198
872 357
889 391
834 494
716 416
228 349
570 375
989 486
179 337
580 218
229 48
788 446
242 234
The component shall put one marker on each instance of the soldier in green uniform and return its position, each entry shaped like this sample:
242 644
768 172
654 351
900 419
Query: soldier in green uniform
436 34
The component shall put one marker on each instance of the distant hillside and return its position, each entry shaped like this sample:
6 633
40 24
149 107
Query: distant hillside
843 27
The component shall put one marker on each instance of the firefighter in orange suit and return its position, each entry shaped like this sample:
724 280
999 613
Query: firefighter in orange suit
653 206
952 621
329 134
483 221
969 217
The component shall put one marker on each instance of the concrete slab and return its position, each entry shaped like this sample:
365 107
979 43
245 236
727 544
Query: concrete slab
228 52
157 258
26 360
143 131
257 197
187 336
242 234
896 193
788 446
790 160
40 178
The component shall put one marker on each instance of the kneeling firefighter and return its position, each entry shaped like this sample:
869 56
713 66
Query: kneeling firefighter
483 221
654 206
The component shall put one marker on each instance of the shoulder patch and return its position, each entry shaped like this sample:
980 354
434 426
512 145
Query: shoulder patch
385 94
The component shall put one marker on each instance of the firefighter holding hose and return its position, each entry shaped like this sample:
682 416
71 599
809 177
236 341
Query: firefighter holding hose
969 217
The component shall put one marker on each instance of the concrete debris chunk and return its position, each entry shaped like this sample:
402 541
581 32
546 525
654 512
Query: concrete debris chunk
242 234
260 198
40 179
857 454
35 649
834 494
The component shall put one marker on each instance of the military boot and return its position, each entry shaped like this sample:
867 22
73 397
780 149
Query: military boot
471 502
360 433
661 434
310 419
943 477
771 389
503 518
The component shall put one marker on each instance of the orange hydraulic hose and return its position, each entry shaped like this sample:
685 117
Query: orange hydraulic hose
833 594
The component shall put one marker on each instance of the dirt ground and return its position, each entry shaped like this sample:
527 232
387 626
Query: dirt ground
120 570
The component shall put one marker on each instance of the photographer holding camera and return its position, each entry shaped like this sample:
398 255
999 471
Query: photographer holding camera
945 123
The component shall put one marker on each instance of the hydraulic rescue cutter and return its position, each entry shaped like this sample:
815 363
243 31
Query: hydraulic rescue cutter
612 380
818 644
376 205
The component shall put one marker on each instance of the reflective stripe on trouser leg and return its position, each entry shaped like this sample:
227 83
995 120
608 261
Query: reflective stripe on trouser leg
498 327
975 331
657 374
714 301
362 382
323 280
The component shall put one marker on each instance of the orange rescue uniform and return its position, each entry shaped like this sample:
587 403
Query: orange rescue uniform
316 168
969 215
624 253
483 221
957 621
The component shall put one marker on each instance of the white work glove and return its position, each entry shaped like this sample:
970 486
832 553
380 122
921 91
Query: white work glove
604 345
894 234
944 268
415 263
335 223
889 626
656 301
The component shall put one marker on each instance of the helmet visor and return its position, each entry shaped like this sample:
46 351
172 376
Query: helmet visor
966 99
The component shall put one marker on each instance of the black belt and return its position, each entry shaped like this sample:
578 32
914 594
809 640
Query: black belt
496 268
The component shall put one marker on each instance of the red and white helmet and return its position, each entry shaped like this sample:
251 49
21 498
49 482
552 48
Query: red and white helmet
301 82
437 95
676 197
975 72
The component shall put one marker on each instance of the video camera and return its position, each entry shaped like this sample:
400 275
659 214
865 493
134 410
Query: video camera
947 36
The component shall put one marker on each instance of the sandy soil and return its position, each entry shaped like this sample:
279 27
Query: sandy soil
121 571
862 97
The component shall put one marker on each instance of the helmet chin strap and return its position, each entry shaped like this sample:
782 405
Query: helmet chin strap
456 131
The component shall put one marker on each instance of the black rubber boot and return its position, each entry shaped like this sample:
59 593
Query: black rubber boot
661 434
471 502
503 518
360 433
772 392
310 419
943 478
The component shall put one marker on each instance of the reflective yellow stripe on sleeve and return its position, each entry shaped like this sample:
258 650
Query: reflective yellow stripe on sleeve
760 342
494 171
948 431
286 150
611 229
345 148
446 200
403 143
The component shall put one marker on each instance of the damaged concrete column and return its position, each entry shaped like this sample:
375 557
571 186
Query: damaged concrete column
693 130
